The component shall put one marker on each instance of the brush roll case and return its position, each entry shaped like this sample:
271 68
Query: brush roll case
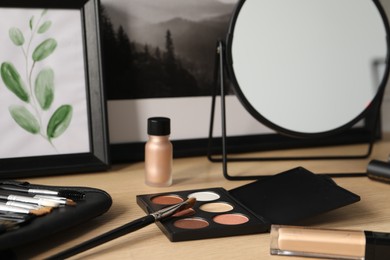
95 203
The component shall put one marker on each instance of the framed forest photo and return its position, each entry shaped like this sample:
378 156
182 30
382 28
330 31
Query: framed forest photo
52 104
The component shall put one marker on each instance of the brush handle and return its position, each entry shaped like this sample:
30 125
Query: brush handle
27 190
10 188
6 208
69 194
25 199
115 233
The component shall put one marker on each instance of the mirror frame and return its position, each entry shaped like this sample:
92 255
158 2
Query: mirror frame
258 116
372 119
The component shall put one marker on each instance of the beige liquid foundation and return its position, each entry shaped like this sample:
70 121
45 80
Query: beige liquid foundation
158 153
329 243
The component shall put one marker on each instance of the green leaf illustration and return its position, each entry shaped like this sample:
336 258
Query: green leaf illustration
44 12
13 81
44 49
31 23
24 118
44 27
59 121
44 88
16 36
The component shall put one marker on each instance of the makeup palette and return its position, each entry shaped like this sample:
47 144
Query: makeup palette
281 199
216 214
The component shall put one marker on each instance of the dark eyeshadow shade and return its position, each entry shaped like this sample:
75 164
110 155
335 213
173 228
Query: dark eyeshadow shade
167 200
231 219
191 223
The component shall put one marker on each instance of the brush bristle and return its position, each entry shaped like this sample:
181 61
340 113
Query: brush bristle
39 212
70 202
6 225
72 194
184 213
191 202
47 209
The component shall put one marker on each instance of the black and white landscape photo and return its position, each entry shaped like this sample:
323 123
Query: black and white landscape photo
164 48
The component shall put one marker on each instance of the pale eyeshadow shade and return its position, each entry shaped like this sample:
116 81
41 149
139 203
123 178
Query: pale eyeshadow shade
319 242
204 196
216 207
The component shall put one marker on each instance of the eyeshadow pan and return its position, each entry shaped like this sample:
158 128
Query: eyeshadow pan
216 207
231 219
204 196
191 223
167 200
185 213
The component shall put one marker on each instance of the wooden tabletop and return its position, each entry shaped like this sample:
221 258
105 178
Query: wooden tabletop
124 182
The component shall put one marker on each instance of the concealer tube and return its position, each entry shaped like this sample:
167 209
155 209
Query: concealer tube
329 243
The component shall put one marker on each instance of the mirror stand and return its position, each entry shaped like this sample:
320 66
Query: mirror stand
219 81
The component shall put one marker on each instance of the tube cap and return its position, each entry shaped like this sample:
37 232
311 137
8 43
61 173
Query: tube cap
379 170
159 126
377 246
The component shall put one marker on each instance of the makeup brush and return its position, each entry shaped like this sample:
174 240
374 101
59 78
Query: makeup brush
19 218
7 225
15 216
127 228
28 206
25 199
69 194
60 200
36 212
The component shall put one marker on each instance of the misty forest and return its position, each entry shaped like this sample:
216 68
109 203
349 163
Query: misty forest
134 70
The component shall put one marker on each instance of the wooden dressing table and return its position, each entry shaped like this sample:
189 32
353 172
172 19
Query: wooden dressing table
124 182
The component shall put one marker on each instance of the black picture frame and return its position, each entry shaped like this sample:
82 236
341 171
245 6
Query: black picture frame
94 156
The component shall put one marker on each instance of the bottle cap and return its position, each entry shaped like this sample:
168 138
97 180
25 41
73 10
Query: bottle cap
159 126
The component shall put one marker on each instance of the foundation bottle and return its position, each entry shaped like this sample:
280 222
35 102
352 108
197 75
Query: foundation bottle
158 153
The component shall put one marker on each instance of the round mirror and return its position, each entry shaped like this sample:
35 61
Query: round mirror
308 67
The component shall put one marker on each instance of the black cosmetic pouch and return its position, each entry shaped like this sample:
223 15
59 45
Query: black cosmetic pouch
95 203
